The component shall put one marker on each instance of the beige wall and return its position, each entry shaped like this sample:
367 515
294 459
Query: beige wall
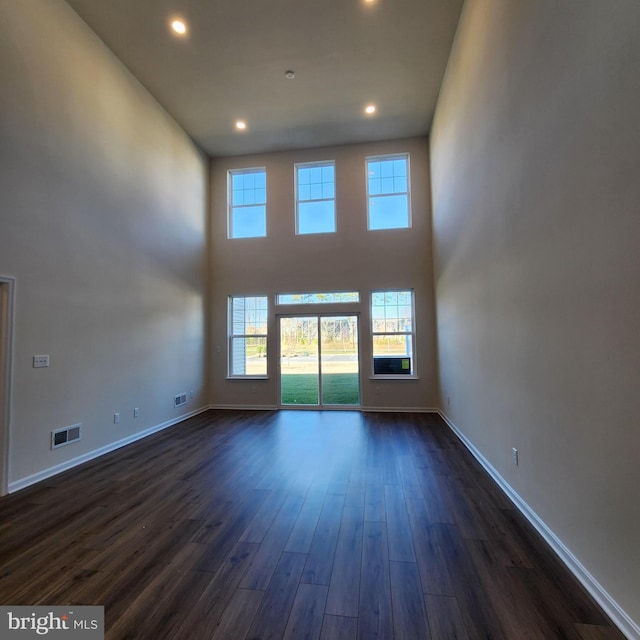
535 152
103 212
350 259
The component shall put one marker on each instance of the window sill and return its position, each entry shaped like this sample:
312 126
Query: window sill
246 377
398 376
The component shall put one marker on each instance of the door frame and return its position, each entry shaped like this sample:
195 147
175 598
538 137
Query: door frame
7 297
319 406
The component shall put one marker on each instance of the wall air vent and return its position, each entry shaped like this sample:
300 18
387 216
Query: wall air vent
66 435
180 400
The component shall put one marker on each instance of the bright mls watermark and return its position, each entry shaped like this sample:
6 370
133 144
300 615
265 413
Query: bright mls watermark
82 623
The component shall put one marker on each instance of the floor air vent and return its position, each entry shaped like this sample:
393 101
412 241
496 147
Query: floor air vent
180 400
66 435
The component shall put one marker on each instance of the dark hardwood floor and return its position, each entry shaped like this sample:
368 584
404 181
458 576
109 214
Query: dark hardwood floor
329 525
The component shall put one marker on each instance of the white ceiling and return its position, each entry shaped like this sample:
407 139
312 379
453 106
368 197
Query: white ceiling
231 65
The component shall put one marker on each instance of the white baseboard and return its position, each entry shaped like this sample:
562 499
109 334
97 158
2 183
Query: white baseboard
618 616
400 409
315 407
244 407
96 453
247 407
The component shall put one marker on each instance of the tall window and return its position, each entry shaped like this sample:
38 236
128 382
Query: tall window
393 332
248 336
388 192
315 198
247 203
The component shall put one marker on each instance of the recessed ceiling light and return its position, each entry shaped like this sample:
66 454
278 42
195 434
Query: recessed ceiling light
241 125
370 109
179 27
289 75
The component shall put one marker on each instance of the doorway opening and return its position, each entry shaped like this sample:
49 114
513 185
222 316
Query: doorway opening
319 361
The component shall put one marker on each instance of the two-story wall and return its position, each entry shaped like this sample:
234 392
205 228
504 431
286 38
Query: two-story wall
353 258
103 229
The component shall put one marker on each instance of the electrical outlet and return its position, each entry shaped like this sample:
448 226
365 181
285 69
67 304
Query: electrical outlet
515 456
136 413
254 389
378 390
116 418
448 401
191 393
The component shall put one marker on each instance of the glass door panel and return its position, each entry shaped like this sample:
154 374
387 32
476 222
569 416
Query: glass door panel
299 362
339 378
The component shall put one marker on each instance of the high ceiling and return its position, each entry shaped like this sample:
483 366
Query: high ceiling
231 65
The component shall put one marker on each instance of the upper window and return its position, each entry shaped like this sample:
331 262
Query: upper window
248 203
315 198
329 297
388 192
248 336
393 332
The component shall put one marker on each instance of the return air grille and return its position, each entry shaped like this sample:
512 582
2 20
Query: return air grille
180 400
66 435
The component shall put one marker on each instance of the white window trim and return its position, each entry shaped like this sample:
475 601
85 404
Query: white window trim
414 365
321 163
230 207
231 336
389 156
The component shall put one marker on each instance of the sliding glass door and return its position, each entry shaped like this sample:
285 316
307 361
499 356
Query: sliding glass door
319 364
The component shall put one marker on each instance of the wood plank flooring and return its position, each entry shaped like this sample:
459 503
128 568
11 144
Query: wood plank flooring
292 524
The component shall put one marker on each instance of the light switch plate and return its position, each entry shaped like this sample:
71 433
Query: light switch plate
40 361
